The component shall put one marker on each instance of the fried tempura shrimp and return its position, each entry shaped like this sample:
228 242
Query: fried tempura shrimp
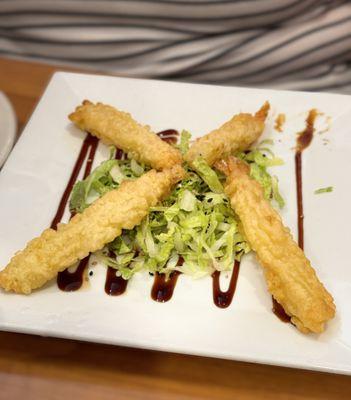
290 277
235 135
120 129
99 224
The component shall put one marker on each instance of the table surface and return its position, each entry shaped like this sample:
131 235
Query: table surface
34 367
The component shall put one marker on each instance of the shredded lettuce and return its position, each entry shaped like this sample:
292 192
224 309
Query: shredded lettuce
260 159
184 144
95 185
208 175
324 190
194 225
107 176
197 225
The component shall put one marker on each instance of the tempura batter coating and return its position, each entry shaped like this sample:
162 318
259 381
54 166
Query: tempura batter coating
235 135
100 223
120 129
291 279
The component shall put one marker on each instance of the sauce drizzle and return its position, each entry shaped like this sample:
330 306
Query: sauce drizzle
169 135
220 298
279 311
162 289
114 285
71 281
89 142
304 139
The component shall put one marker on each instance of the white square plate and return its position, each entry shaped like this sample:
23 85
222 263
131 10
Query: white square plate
34 177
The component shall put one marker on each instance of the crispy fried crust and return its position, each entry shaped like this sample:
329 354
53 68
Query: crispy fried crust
119 128
237 134
290 277
99 224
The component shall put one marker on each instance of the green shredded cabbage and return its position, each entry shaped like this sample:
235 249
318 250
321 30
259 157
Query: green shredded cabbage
107 176
194 224
259 160
184 142
208 175
324 190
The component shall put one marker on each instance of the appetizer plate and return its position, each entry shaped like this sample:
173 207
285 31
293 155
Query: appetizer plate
36 173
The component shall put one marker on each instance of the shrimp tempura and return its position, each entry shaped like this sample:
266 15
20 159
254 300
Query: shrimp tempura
290 277
235 135
120 129
99 224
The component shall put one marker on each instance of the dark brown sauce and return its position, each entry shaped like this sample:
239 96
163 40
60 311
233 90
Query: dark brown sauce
279 311
89 142
303 140
119 154
162 289
70 281
300 214
305 137
114 285
91 156
169 135
220 298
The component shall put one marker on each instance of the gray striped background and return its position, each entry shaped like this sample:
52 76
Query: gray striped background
263 43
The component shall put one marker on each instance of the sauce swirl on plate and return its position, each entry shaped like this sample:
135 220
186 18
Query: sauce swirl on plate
71 281
220 298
